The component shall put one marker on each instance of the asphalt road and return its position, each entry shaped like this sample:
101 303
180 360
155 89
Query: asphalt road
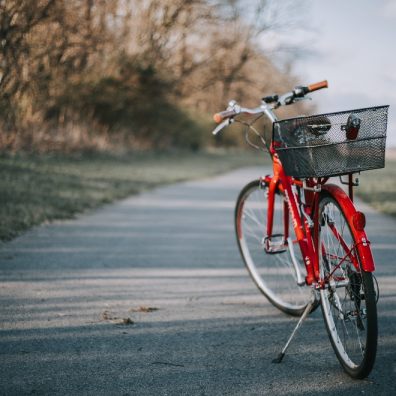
149 297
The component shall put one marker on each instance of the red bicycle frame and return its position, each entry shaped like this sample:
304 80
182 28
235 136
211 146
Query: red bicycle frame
306 220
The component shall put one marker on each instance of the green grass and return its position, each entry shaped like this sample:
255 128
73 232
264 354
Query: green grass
378 187
38 189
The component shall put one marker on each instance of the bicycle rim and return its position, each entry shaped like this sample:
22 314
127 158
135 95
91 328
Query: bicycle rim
348 300
273 273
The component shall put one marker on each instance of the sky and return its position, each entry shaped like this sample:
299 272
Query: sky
352 44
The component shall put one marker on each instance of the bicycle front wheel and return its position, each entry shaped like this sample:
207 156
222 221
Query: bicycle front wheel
348 299
271 269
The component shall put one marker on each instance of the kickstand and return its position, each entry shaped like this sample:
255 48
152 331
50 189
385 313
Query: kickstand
307 310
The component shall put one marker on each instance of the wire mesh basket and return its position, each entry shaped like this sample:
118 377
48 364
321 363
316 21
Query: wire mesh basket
332 144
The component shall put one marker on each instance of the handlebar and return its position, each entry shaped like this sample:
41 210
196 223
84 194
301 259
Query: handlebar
318 85
219 117
298 93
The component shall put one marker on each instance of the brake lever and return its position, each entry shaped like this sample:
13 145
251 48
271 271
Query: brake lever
225 123
284 100
303 98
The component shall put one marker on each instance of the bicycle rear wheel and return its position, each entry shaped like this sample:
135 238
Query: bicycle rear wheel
272 271
348 300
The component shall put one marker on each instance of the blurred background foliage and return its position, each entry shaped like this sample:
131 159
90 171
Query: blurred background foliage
113 75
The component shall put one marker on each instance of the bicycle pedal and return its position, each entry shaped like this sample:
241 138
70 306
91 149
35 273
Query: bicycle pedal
275 244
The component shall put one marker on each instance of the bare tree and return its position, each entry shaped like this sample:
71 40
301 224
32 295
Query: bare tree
59 61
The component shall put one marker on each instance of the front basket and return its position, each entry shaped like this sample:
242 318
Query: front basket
332 144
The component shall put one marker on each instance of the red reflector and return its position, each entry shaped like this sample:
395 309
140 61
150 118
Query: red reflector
359 221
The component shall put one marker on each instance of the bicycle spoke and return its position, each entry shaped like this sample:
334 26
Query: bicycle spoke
272 271
344 305
249 213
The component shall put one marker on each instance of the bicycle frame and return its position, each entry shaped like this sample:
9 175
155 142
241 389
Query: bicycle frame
303 207
307 217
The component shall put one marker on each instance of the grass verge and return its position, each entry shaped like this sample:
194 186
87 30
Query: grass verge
378 188
38 189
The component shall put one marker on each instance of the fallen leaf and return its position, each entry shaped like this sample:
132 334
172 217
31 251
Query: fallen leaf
127 321
106 315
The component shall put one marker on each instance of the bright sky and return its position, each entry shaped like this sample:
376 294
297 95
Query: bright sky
354 48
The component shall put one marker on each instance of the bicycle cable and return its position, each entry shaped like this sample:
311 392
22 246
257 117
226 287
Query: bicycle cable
249 126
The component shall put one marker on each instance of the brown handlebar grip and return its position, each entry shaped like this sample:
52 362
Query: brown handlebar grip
318 85
218 117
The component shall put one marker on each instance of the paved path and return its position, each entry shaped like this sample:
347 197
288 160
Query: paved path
69 291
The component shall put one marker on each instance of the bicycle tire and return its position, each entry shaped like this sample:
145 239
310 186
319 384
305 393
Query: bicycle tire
273 274
349 311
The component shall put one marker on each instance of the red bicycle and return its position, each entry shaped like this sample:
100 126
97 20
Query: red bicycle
301 238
